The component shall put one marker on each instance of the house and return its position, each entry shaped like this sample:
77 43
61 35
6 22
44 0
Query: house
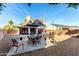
28 27
57 28
32 26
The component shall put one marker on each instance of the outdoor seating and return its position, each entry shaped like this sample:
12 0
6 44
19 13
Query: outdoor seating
38 38
29 39
16 44
35 40
21 39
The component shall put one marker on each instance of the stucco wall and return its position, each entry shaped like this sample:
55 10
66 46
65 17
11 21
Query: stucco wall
5 43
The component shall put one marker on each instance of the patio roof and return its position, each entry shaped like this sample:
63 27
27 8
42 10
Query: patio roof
35 22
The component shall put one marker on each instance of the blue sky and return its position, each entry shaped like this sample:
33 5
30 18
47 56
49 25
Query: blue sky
58 14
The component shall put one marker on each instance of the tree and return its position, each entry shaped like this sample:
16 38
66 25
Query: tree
10 22
6 27
70 5
73 5
15 27
10 26
2 6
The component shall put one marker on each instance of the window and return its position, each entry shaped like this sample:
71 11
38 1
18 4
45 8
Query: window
40 31
33 30
26 31
23 30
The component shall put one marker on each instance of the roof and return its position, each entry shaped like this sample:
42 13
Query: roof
64 26
36 22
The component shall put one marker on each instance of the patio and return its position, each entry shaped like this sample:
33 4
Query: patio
27 47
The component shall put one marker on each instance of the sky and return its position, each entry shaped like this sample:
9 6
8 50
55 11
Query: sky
56 14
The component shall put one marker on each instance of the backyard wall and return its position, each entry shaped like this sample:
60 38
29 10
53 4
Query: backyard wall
5 43
58 31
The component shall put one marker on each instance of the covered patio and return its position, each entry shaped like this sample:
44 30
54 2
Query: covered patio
31 34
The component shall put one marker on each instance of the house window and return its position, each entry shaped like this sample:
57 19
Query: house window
21 30
33 30
26 31
40 31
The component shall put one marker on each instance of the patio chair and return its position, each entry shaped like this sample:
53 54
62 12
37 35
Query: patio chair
31 40
16 44
38 38
21 39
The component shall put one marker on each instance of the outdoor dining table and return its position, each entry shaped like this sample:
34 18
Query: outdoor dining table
32 38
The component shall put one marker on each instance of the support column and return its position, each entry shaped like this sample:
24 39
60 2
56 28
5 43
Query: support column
29 30
36 30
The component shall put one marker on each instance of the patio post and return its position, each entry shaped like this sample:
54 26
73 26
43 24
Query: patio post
29 30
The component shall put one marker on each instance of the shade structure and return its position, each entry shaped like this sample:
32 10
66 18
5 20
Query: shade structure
35 25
